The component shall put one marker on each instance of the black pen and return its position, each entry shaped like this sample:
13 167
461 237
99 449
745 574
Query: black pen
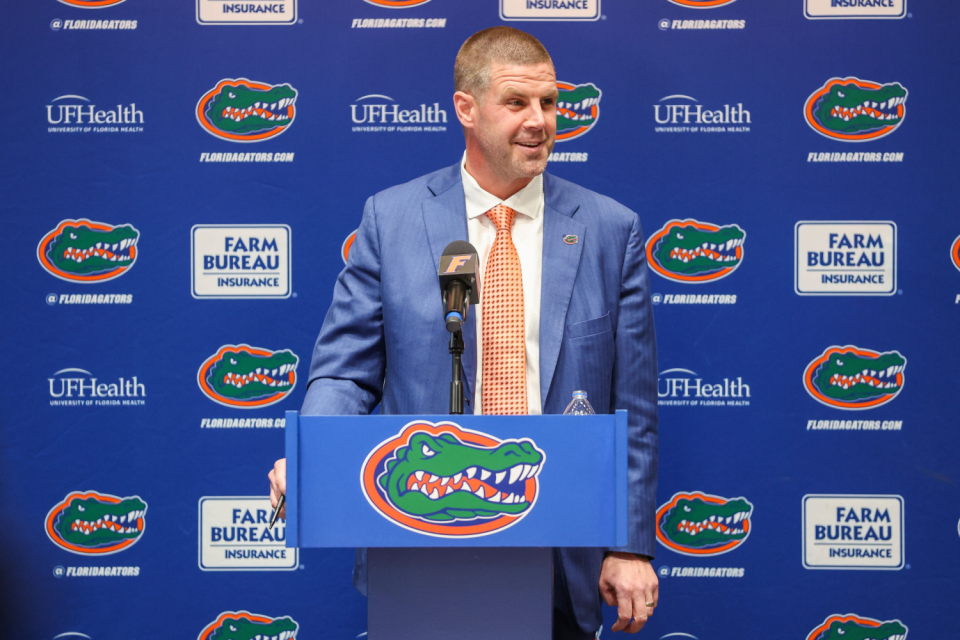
276 511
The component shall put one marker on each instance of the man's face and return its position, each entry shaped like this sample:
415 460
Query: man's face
516 123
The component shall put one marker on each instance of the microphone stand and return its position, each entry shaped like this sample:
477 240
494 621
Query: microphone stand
456 385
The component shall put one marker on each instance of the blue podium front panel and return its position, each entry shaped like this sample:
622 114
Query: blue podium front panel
467 481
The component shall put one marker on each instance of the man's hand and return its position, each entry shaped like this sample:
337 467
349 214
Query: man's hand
628 583
278 484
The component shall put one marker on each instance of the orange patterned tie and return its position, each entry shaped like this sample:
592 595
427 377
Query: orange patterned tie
504 379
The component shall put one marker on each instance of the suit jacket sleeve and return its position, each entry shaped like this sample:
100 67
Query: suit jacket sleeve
349 359
635 389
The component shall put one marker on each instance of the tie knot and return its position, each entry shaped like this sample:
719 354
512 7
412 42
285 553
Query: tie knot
502 216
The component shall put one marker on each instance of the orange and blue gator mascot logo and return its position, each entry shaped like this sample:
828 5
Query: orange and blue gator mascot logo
854 627
955 252
702 4
855 110
695 252
243 625
246 377
446 481
853 378
242 110
701 524
96 524
87 252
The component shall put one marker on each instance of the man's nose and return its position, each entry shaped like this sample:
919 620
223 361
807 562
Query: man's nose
535 117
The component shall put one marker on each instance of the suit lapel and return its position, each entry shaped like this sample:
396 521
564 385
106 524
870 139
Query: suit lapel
445 219
561 261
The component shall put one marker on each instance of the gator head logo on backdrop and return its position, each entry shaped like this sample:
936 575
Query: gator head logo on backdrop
853 378
92 523
700 524
397 4
855 110
702 4
446 481
243 625
578 109
91 4
245 111
248 377
854 627
86 251
955 252
691 251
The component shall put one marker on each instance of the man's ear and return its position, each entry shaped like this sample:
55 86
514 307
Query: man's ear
466 107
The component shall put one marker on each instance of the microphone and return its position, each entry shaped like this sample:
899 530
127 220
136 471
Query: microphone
458 282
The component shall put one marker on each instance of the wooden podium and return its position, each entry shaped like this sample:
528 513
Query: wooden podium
459 513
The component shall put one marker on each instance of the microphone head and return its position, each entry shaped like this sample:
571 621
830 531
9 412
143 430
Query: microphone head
459 246
459 262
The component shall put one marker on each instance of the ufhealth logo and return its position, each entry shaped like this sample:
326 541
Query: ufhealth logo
348 242
88 252
78 387
680 113
235 536
855 110
845 258
850 626
377 113
550 10
262 12
853 378
955 252
852 532
75 114
578 109
240 261
449 482
695 252
243 625
862 9
242 110
701 524
246 377
93 523
702 4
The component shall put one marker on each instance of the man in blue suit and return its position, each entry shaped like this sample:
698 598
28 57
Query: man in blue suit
587 319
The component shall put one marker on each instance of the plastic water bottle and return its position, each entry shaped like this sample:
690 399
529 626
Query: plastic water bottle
579 406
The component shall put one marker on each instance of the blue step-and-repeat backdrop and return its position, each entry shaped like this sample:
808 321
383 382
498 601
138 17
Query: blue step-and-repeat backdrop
180 184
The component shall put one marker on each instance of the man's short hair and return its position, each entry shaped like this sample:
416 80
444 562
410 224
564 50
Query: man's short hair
496 45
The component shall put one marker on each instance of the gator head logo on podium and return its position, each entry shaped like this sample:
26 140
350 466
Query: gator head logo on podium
700 524
246 377
86 251
855 110
853 378
854 627
578 109
243 625
245 111
955 252
446 481
92 523
693 252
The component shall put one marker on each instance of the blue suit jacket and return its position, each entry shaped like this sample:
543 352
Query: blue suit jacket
384 341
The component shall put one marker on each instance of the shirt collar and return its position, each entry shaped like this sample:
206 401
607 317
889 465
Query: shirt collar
528 201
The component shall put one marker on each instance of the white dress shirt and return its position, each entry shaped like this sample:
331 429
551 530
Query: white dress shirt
527 234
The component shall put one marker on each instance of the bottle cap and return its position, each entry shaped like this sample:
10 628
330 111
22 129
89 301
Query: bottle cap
579 394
